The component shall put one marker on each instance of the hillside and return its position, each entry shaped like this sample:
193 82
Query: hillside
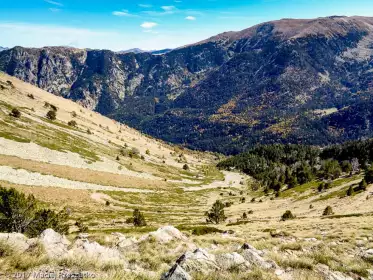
100 171
297 81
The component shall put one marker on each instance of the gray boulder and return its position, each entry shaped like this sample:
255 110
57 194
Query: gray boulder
165 235
55 244
17 241
176 273
94 251
253 257
232 260
331 275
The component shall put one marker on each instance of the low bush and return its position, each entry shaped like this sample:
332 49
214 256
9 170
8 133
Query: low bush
203 230
287 216
52 115
15 113
328 211
72 123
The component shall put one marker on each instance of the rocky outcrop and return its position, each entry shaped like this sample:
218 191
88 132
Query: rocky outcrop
200 261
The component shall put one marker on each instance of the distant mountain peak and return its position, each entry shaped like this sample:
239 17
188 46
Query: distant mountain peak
137 50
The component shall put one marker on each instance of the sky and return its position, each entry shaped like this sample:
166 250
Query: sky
149 24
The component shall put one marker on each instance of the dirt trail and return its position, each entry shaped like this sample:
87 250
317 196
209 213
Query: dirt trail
231 179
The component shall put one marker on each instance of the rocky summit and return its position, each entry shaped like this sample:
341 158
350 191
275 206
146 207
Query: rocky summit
298 81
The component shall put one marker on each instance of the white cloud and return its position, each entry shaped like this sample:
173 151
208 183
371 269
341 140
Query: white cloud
54 10
39 35
148 25
190 18
145 5
54 3
123 13
168 8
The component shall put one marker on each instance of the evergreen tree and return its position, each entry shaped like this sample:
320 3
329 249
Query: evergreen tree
216 214
363 185
138 218
369 176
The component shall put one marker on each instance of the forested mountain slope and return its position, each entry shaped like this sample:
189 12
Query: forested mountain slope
287 81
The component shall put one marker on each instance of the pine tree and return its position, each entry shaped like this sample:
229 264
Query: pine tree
363 185
138 218
216 214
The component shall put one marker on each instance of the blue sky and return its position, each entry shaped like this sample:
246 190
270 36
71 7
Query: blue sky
149 24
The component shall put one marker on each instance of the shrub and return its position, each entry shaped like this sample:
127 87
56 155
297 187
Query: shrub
31 96
244 215
202 230
21 213
10 84
74 114
52 115
321 187
369 176
138 218
328 211
47 218
82 227
346 166
287 216
216 213
350 191
185 167
129 220
15 113
363 185
72 123
107 203
89 131
250 212
147 152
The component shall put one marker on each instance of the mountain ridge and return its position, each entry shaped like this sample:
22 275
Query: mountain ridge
267 83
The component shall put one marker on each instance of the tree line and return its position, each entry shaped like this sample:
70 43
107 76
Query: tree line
278 165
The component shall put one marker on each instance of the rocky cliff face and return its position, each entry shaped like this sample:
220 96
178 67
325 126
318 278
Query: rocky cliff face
283 81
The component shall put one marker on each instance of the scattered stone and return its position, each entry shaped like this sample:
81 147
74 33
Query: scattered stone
312 239
331 275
